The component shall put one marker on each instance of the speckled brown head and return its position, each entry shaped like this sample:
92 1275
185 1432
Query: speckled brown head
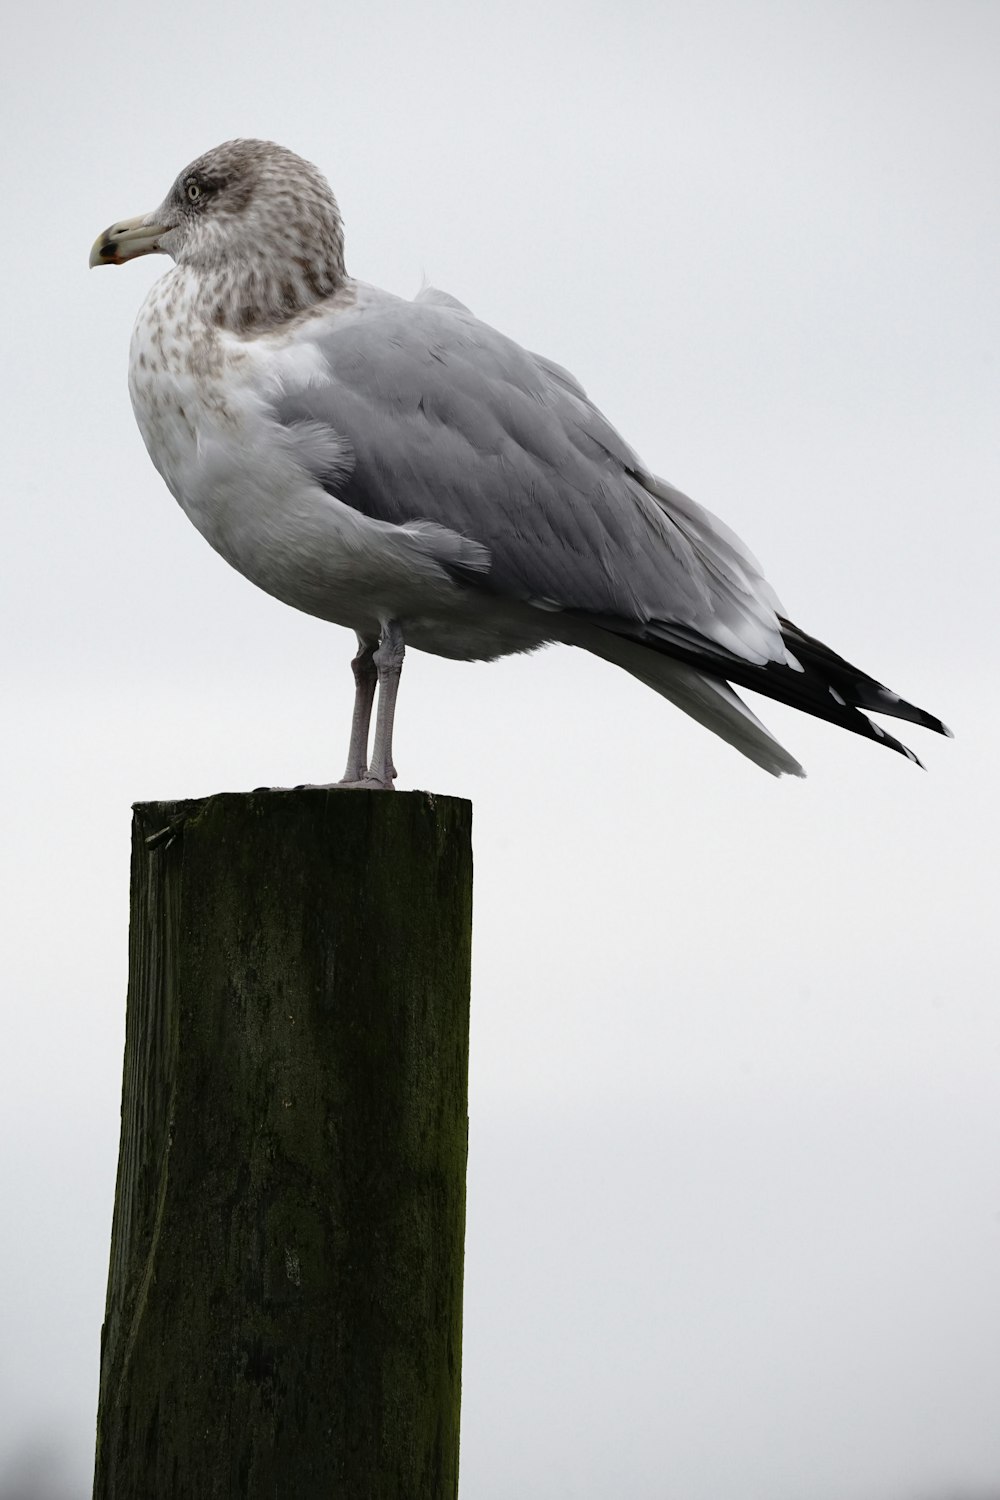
258 225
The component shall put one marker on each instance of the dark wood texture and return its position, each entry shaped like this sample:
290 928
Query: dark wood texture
284 1306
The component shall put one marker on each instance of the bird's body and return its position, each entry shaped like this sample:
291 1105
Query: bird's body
208 404
405 470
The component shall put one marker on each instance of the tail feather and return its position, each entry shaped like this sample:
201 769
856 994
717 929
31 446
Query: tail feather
696 674
739 635
818 682
708 700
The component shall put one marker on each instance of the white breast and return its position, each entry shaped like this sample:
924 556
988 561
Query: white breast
200 400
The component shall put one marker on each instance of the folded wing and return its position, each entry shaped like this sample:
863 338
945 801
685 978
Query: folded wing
452 424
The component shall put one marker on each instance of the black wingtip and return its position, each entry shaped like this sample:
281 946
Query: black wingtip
875 732
849 686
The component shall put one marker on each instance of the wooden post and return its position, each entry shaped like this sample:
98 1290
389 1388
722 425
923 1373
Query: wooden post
284 1307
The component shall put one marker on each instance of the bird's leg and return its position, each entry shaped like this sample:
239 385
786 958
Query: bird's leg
389 663
365 678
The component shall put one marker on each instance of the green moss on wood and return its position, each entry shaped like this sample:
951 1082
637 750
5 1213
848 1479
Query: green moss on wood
285 1294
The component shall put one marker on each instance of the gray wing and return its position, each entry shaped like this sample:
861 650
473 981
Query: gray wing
451 423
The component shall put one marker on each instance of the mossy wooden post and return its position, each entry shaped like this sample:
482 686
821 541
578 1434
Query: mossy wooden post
284 1306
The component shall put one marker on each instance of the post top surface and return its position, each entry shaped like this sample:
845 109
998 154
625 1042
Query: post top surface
271 795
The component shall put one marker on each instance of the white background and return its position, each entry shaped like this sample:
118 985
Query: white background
734 1189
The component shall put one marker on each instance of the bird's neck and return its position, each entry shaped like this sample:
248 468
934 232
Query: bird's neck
260 292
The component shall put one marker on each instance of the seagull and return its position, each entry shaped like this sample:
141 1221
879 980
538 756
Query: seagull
401 468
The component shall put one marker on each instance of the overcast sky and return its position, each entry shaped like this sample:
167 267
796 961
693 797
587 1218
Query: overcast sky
734 1185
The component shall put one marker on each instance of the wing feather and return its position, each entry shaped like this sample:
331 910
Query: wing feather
516 482
451 423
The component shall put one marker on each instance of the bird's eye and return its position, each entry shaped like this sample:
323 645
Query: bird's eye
193 192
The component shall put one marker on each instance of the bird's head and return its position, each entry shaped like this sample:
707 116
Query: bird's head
259 225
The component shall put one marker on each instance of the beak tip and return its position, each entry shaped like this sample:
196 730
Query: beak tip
103 251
